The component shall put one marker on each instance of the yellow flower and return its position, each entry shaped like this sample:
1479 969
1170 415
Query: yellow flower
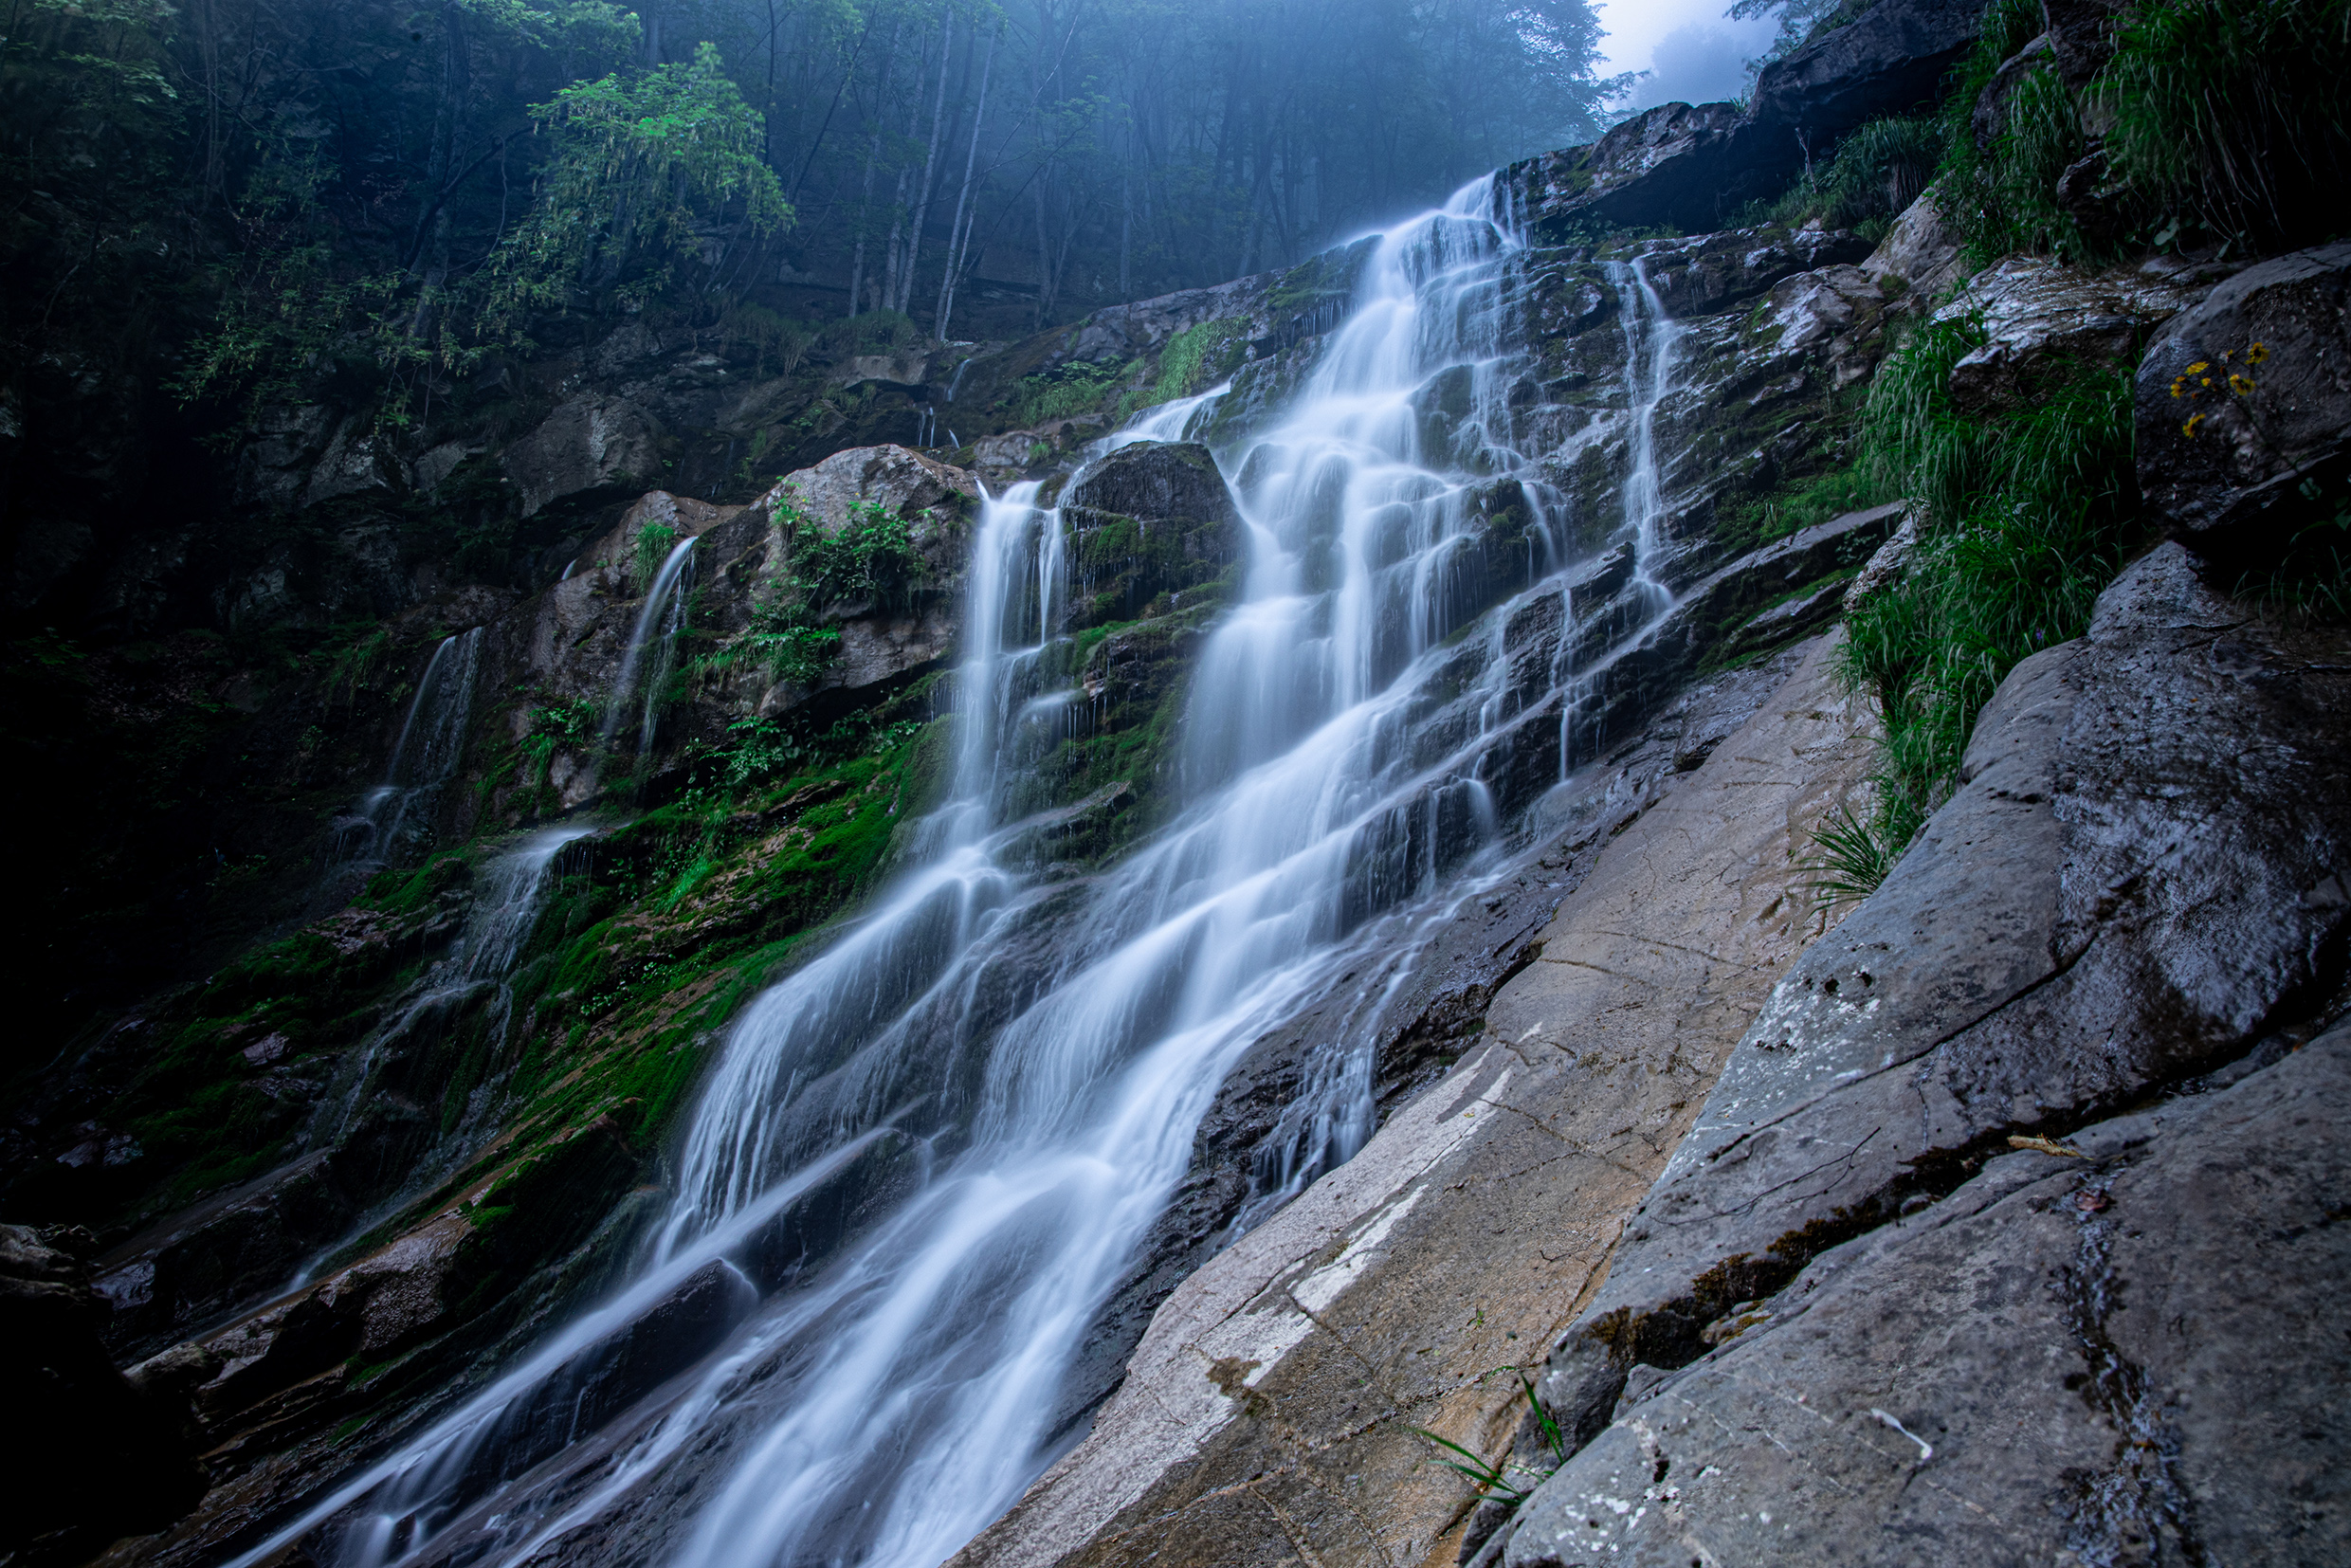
2206 382
2199 367
2255 354
2241 385
2189 429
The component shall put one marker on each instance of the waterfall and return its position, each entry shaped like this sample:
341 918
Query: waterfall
1000 1073
432 738
659 621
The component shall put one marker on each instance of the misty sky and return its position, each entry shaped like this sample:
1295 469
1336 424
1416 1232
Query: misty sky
1696 53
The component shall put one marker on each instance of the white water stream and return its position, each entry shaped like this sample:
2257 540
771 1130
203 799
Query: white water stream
1018 1065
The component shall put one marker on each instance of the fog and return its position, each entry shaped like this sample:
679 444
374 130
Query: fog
1694 54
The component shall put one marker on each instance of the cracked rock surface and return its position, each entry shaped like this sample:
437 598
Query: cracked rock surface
2141 879
2125 1354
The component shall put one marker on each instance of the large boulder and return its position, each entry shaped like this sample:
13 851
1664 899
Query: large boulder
2138 879
2120 1349
2044 319
1151 518
585 447
2245 397
936 498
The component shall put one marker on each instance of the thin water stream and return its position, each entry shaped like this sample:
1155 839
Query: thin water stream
1000 1073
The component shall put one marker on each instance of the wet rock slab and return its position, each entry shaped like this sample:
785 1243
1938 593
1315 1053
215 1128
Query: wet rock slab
2140 879
2125 1353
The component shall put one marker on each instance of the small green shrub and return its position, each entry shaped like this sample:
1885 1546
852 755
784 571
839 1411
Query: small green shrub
871 557
653 543
2004 199
1067 392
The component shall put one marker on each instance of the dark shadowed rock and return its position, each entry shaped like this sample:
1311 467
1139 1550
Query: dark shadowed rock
96 1457
2125 1354
1889 59
1151 518
2138 879
587 445
2249 447
1692 165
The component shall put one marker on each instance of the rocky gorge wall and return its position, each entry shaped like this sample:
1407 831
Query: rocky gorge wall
1621 1090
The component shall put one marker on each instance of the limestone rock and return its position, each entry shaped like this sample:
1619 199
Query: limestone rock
2248 448
588 444
931 496
1269 1411
358 459
2113 1357
1715 272
1919 261
1677 164
2044 318
2138 879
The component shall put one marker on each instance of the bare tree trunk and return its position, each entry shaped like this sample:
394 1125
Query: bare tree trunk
447 125
958 232
873 157
930 169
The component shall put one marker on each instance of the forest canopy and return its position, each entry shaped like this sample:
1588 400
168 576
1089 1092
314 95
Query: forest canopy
287 185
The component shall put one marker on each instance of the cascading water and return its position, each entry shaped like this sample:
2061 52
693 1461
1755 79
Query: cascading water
432 738
659 621
1003 1071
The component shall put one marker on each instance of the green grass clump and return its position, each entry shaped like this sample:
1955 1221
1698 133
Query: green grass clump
1069 392
2027 517
1879 169
2004 198
2234 113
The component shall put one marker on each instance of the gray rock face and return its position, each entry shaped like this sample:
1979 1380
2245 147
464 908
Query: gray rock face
587 444
2123 1356
2213 453
1919 259
1151 518
1691 166
2139 878
2046 319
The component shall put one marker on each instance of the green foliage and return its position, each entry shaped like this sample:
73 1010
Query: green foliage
2026 516
2234 113
635 163
870 558
1070 391
2004 198
1492 1477
1878 171
573 724
651 547
1193 360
